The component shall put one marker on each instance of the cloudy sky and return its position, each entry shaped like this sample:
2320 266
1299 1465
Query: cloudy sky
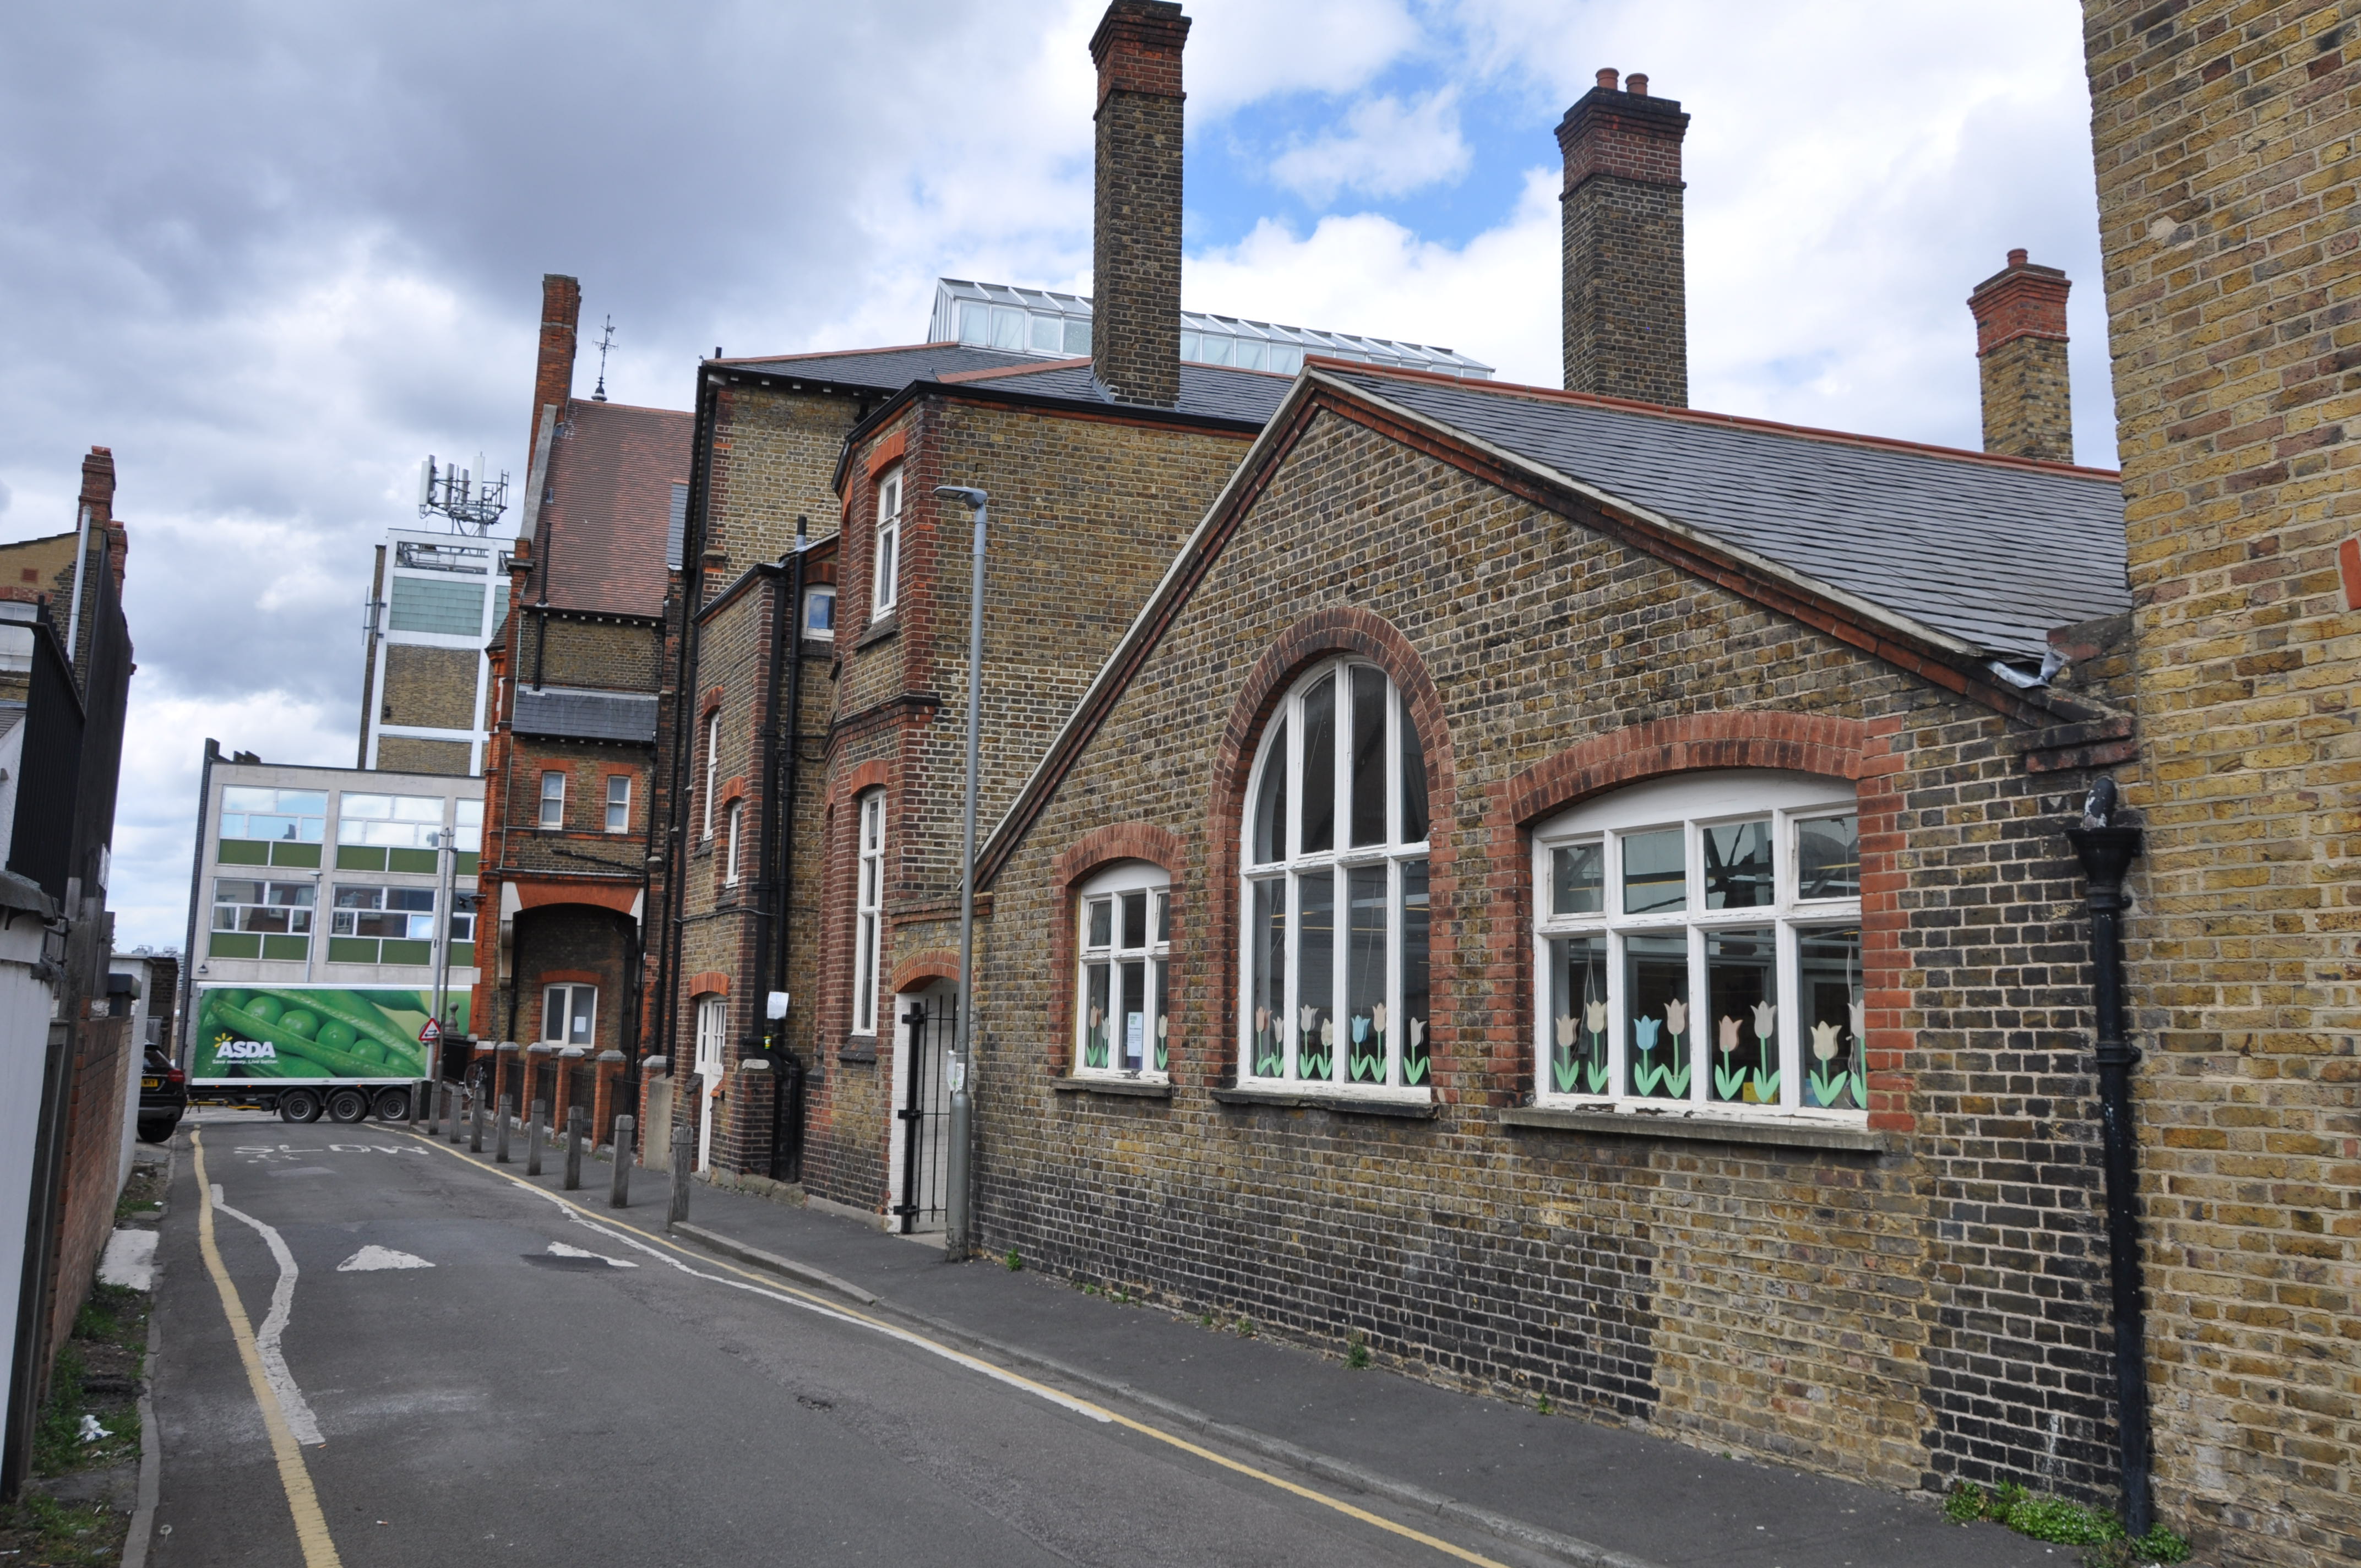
273 254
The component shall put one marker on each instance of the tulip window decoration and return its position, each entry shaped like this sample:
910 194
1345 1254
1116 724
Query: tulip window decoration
1125 942
1333 895
1700 947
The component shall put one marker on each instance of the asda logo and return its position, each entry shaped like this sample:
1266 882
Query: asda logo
244 1050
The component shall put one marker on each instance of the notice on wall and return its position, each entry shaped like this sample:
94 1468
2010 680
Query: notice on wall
1135 1034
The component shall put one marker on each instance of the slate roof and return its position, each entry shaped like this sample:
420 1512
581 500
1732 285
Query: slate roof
585 716
609 503
885 369
1995 552
1218 391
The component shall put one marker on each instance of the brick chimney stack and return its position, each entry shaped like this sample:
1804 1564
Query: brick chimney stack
2021 359
553 381
1626 305
1135 215
98 486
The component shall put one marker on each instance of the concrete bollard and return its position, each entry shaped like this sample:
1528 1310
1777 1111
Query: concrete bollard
500 1128
475 1121
621 1196
533 1137
682 1161
574 1120
419 1096
438 1105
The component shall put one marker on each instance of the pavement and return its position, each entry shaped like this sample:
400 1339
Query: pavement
568 1383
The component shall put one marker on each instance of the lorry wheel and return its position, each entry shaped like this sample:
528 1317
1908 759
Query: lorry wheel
299 1105
393 1105
347 1106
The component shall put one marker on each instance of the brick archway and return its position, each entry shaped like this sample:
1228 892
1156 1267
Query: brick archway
921 968
1458 1025
1160 847
1826 745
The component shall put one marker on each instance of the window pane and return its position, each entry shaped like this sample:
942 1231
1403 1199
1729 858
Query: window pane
974 324
1835 1068
1135 1015
1828 858
1414 782
1078 338
1049 333
410 898
1008 328
1579 878
553 1015
1319 831
1161 1012
1267 987
1365 974
1741 977
1737 865
246 798
1270 802
1250 352
1578 1015
359 897
1286 360
1655 1001
1315 974
585 999
227 891
1369 757
1101 926
1214 349
1414 984
1163 918
1097 1015
1654 878
1135 919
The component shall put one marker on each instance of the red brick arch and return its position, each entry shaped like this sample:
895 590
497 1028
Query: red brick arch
1341 630
1077 862
710 982
1822 745
917 971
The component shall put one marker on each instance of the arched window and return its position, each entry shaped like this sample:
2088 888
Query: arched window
1333 896
1699 945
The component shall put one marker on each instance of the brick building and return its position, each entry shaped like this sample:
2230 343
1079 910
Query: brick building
571 777
2223 138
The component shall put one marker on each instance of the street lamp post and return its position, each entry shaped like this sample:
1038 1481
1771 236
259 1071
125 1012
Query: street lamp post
956 1221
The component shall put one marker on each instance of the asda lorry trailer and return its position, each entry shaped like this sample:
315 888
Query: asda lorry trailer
309 1051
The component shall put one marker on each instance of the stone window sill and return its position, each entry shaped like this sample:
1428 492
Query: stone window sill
1705 1129
858 1048
1339 1104
1123 1088
878 632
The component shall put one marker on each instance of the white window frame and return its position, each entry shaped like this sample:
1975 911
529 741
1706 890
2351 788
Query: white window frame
1098 1006
1691 802
549 820
712 1034
712 768
814 596
886 552
737 821
1407 1074
868 911
567 1011
619 799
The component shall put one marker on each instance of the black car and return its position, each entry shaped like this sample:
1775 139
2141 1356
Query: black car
163 1096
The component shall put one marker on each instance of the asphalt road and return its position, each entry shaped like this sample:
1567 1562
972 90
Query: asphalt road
553 1389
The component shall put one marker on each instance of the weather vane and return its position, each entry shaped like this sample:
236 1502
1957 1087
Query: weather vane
606 342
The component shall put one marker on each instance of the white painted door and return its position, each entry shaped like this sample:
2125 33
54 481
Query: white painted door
712 1028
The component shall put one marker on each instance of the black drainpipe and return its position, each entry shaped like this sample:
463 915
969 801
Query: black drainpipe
2107 852
786 1076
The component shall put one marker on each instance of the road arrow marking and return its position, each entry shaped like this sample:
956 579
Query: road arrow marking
561 1250
372 1257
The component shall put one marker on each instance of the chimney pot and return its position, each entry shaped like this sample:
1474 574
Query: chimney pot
1625 309
1135 209
2020 314
1638 84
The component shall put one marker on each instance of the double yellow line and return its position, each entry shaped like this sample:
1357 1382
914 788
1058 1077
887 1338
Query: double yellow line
294 1478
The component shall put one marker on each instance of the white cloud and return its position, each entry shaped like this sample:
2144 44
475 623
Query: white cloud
1384 148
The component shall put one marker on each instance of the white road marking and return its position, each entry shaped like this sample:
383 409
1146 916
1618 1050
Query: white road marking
373 1257
300 1420
130 1259
561 1250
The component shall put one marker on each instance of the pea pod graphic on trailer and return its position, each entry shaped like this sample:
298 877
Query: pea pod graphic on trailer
300 1048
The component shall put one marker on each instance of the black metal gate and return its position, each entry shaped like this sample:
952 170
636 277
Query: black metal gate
925 1112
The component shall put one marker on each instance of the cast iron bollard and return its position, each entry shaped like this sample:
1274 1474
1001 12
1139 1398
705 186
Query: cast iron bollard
475 1121
680 1174
572 1147
501 1135
620 1197
533 1137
